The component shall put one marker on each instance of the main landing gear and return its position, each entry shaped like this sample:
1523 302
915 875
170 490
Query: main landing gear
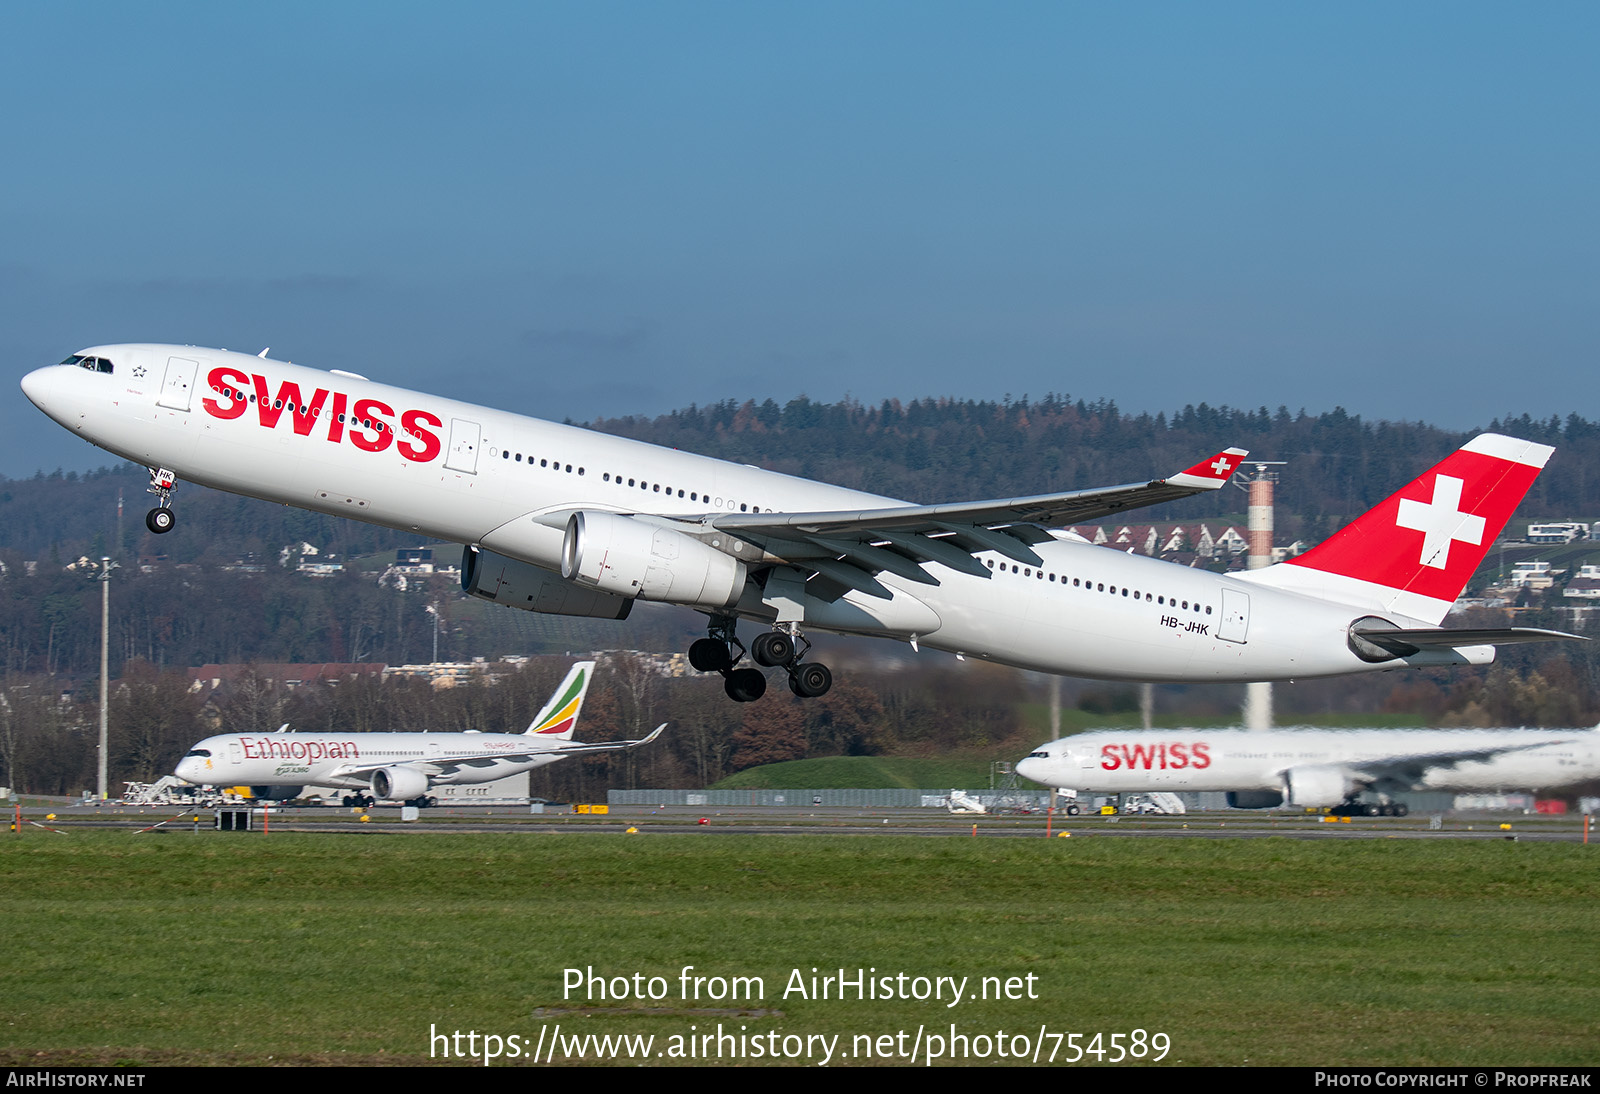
1353 807
782 648
161 519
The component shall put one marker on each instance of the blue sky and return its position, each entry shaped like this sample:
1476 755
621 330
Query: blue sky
612 208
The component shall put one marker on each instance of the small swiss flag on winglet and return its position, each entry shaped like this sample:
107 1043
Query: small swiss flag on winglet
1211 473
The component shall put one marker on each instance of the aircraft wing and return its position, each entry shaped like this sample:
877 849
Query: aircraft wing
1408 770
578 748
450 765
850 546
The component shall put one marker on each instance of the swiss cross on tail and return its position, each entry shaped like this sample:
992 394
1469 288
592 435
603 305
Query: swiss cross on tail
1429 537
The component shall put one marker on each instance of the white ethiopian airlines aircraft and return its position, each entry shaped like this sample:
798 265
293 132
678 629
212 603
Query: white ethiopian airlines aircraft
395 766
1315 767
564 520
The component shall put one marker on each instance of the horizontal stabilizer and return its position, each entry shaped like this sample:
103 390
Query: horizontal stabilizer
1404 642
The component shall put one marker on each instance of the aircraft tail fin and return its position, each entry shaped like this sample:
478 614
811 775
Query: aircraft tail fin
559 717
1414 552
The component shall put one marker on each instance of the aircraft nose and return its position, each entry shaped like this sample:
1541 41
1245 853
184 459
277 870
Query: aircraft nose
1030 768
42 387
33 386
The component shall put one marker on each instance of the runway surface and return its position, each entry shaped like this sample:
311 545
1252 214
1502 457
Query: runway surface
823 820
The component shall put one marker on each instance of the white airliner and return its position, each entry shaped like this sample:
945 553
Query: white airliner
395 766
1318 768
564 520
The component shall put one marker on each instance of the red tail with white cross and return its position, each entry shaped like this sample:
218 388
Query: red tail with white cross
1428 538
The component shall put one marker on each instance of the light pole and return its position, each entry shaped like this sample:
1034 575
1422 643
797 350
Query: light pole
104 578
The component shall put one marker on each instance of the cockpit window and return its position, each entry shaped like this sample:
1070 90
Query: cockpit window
93 364
197 752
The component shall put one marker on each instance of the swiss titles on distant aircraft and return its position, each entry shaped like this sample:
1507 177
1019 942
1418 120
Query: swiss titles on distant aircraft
1162 756
371 422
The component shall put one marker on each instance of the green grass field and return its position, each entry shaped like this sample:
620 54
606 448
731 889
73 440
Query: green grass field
181 948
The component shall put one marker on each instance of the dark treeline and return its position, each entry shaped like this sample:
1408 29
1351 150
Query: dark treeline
47 741
47 744
944 449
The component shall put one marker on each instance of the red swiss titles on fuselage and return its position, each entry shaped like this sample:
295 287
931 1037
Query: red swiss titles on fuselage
370 422
1165 756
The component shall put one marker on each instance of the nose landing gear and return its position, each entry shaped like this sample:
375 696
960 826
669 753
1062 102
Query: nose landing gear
161 519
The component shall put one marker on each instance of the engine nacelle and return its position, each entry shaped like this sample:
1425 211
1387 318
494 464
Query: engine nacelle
634 558
398 783
518 584
1318 787
1254 799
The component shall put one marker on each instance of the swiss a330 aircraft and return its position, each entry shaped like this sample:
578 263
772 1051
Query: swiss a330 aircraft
395 766
564 520
1315 768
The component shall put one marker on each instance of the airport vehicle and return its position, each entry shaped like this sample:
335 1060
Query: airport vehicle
395 766
1315 768
564 520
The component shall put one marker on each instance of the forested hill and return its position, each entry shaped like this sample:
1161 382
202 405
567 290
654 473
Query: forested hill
945 450
925 450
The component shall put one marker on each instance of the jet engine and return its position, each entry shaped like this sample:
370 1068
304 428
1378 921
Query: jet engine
518 584
1318 787
399 783
628 557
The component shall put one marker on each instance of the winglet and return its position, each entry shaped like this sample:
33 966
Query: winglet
1210 474
560 715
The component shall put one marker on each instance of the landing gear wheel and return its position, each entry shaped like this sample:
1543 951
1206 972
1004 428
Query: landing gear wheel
160 521
1072 810
710 655
772 649
745 685
1401 809
810 680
